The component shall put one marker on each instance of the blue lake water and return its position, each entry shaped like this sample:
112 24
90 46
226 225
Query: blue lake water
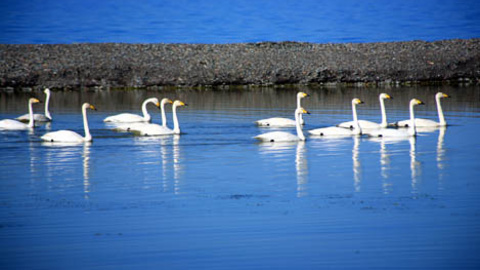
210 21
214 198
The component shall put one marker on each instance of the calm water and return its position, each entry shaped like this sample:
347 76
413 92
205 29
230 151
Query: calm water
211 21
214 198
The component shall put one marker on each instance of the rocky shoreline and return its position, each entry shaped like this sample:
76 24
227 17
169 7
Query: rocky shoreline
112 65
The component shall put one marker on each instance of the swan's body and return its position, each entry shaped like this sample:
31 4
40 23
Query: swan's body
283 122
148 129
133 118
280 136
10 124
71 136
364 124
399 133
36 116
420 122
137 125
340 131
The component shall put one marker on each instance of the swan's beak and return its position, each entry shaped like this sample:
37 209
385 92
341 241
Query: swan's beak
306 112
389 97
35 100
157 104
419 102
93 107
446 96
170 101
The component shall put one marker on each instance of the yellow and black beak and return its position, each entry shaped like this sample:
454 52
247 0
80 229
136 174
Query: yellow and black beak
93 107
446 96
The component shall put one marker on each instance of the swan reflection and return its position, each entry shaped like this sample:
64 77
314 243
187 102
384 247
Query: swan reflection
282 151
415 166
357 169
86 169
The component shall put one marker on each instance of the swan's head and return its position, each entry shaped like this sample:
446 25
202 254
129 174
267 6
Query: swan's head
442 95
357 101
46 91
165 101
179 103
34 100
385 96
415 102
302 95
301 111
89 106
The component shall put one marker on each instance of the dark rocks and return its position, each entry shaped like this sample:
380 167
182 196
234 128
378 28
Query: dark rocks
148 65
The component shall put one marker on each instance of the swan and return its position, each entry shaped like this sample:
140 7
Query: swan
39 117
281 136
148 129
136 125
283 122
10 124
364 124
340 131
71 136
132 118
399 133
420 122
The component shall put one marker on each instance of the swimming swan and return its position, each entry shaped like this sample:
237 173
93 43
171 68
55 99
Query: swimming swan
132 118
283 122
281 136
71 136
340 131
399 133
39 117
155 129
364 124
420 122
137 125
10 124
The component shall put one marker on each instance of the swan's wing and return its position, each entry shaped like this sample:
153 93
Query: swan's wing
331 131
10 124
388 133
277 136
276 122
419 122
152 130
62 136
125 118
364 124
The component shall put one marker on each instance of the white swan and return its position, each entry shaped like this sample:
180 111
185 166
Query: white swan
364 124
340 131
132 118
10 124
137 125
420 122
281 136
39 117
283 122
155 129
69 136
399 133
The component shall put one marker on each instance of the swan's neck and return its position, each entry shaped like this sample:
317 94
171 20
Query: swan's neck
299 126
176 125
357 130
31 121
146 115
164 117
88 137
47 112
299 105
384 114
441 117
412 129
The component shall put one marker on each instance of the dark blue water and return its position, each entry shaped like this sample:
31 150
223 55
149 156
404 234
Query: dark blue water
214 198
211 21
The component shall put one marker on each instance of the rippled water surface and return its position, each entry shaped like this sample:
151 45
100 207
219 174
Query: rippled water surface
214 198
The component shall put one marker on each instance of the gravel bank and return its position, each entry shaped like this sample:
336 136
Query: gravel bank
146 65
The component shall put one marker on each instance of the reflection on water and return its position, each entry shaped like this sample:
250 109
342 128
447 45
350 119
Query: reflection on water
86 169
415 165
357 170
301 167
